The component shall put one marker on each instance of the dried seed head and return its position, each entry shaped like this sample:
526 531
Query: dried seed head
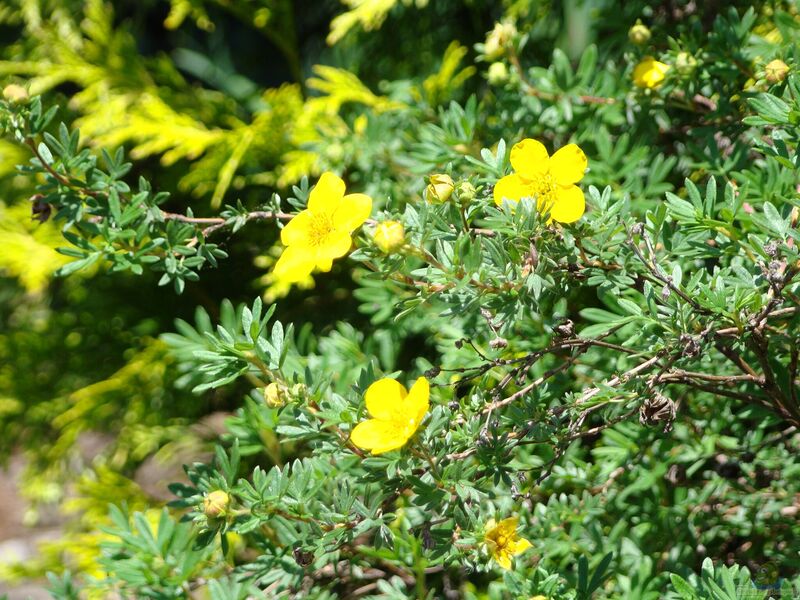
498 342
433 372
301 557
691 347
771 248
565 329
658 409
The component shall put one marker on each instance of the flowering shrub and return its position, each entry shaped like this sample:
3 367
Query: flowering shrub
602 340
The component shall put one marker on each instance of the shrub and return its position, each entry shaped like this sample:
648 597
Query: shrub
528 323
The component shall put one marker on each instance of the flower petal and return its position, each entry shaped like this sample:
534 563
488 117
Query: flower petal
327 194
378 436
503 559
519 546
296 230
513 188
384 398
507 527
417 403
295 264
568 165
353 210
529 158
569 205
324 264
336 244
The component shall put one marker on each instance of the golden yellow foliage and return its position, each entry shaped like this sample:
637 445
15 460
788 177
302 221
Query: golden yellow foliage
29 248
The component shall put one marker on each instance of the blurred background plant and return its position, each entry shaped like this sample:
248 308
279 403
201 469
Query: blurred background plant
238 106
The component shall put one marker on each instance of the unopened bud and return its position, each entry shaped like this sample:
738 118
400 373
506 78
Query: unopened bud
273 395
465 192
639 34
216 504
776 71
389 236
497 73
440 188
685 63
299 390
15 93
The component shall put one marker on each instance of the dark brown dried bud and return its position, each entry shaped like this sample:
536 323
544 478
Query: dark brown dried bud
676 474
657 409
691 347
498 343
40 210
301 557
771 248
433 372
427 538
565 329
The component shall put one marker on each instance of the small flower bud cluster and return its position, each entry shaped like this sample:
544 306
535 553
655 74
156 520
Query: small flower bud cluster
498 40
277 394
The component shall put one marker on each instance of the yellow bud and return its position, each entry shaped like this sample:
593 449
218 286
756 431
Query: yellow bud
299 390
639 34
498 73
216 504
439 189
273 395
776 71
334 152
497 40
15 93
685 63
389 236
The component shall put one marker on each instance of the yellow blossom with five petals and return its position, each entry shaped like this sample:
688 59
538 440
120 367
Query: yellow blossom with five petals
550 179
504 542
321 233
396 415
649 73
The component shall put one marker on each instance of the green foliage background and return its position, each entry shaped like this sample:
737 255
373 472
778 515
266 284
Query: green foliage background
224 104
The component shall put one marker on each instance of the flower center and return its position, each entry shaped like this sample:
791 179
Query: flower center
544 187
319 229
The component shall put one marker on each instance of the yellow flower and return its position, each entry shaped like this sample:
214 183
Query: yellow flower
504 542
321 233
389 236
550 179
396 415
439 189
649 73
776 71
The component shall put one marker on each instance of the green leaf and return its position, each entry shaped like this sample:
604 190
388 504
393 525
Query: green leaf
682 587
